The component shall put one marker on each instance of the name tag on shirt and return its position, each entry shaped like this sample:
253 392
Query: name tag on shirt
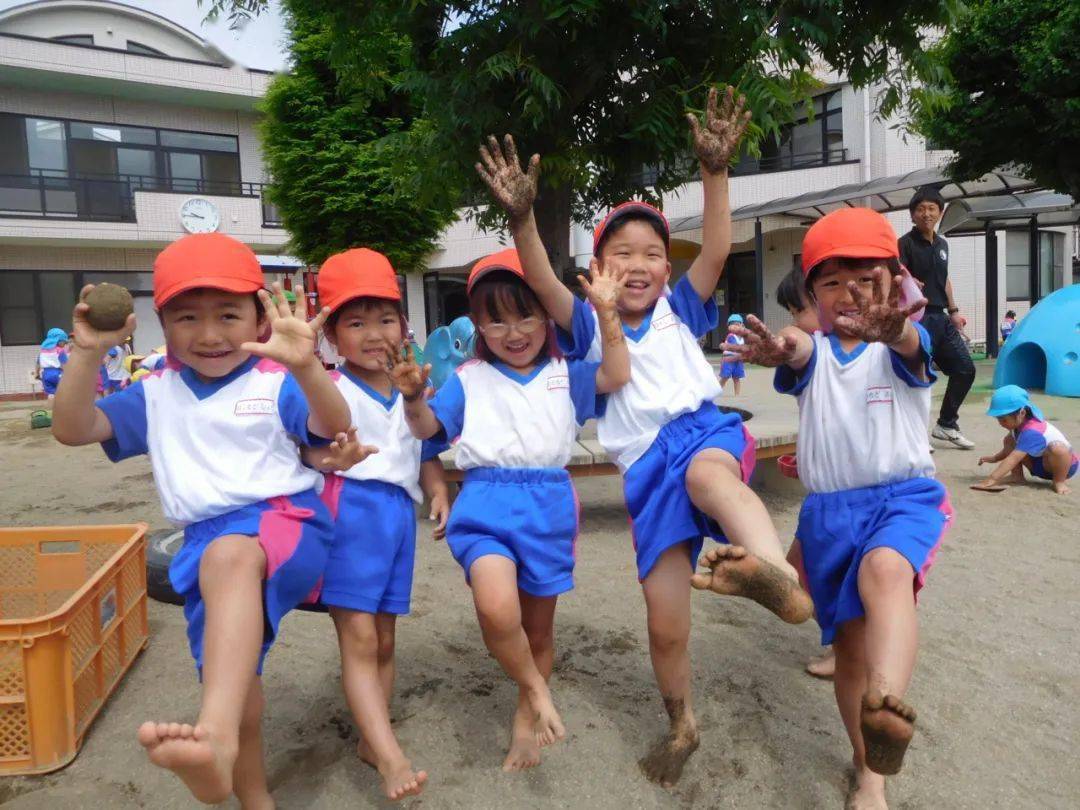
557 383
254 407
879 395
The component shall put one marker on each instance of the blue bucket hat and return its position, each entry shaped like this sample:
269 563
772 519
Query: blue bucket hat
1009 399
53 337
735 318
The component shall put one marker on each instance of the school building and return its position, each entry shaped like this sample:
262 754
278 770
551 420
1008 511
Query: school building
122 131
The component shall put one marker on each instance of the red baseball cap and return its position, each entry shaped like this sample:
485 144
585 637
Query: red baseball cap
211 260
631 207
849 233
356 273
503 260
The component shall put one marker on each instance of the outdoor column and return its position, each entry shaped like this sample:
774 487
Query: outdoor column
990 238
759 270
1033 259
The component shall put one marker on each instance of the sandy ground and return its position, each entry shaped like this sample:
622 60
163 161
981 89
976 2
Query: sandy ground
999 661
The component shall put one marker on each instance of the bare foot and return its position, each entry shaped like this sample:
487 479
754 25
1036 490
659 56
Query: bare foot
887 728
866 791
524 750
363 750
547 724
822 666
1061 488
737 572
400 780
665 761
192 753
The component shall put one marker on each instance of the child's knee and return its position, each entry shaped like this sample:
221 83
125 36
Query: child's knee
884 568
709 469
499 613
234 554
358 635
667 636
386 645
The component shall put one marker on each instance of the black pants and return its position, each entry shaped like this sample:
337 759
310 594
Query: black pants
953 358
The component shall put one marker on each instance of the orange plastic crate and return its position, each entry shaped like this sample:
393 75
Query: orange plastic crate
72 619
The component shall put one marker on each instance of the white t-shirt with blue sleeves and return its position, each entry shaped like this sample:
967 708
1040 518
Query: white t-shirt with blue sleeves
669 375
1035 435
380 422
214 447
863 415
504 419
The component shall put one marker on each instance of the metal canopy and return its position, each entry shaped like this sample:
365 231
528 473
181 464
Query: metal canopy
1047 208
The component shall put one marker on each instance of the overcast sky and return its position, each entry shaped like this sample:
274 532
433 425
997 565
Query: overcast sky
259 45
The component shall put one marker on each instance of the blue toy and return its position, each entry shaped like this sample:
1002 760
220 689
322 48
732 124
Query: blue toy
448 347
1043 351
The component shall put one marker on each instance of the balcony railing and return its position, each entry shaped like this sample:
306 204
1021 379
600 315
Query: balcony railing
110 198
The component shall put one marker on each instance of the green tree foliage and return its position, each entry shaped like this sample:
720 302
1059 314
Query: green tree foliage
1013 96
334 152
600 87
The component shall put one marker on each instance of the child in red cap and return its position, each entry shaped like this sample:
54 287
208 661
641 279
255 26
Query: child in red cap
685 463
874 517
369 575
219 423
515 412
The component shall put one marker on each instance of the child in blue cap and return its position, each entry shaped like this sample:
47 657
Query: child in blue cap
51 360
1031 442
732 366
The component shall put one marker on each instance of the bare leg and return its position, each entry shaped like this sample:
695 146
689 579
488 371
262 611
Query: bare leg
754 566
365 694
538 620
890 642
723 383
667 602
386 627
738 386
1057 459
849 683
249 772
495 593
231 574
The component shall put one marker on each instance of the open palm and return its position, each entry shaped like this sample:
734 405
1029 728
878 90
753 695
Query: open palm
512 188
717 141
292 339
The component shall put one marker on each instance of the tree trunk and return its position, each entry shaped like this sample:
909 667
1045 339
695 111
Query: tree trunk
552 210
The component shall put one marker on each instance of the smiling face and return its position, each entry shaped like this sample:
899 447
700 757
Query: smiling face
634 245
361 330
829 285
511 323
926 215
204 329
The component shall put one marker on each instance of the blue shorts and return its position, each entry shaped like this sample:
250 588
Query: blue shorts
661 512
837 529
527 515
1040 471
735 370
371 559
50 379
294 532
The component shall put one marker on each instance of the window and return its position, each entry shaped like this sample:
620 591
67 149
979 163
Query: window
146 50
46 147
199 140
113 133
75 39
806 142
31 303
1017 264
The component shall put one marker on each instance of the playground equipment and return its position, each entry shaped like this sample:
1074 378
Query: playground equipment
448 347
1043 351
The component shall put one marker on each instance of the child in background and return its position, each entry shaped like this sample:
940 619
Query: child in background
1008 323
1031 442
874 516
732 366
685 464
116 376
219 424
368 578
51 359
516 410
791 295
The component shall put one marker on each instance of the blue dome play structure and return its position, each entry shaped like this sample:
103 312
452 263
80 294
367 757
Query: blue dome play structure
1044 349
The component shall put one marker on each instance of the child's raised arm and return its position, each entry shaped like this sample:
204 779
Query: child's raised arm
603 293
515 191
411 380
76 420
715 144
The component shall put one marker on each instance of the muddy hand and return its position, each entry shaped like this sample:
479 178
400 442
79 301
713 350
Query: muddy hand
718 140
405 374
762 347
880 318
86 337
500 169
345 452
603 286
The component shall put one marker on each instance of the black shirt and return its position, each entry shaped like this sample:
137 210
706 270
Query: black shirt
929 263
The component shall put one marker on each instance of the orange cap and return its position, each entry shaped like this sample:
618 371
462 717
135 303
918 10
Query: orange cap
631 207
211 260
503 260
849 233
356 273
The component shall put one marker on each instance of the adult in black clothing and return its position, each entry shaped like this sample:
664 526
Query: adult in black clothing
926 255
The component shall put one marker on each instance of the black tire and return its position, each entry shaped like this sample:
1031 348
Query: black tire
160 550
161 547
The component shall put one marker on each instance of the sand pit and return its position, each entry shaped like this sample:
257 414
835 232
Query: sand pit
995 684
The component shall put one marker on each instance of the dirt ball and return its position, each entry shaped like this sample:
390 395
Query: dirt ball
110 305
